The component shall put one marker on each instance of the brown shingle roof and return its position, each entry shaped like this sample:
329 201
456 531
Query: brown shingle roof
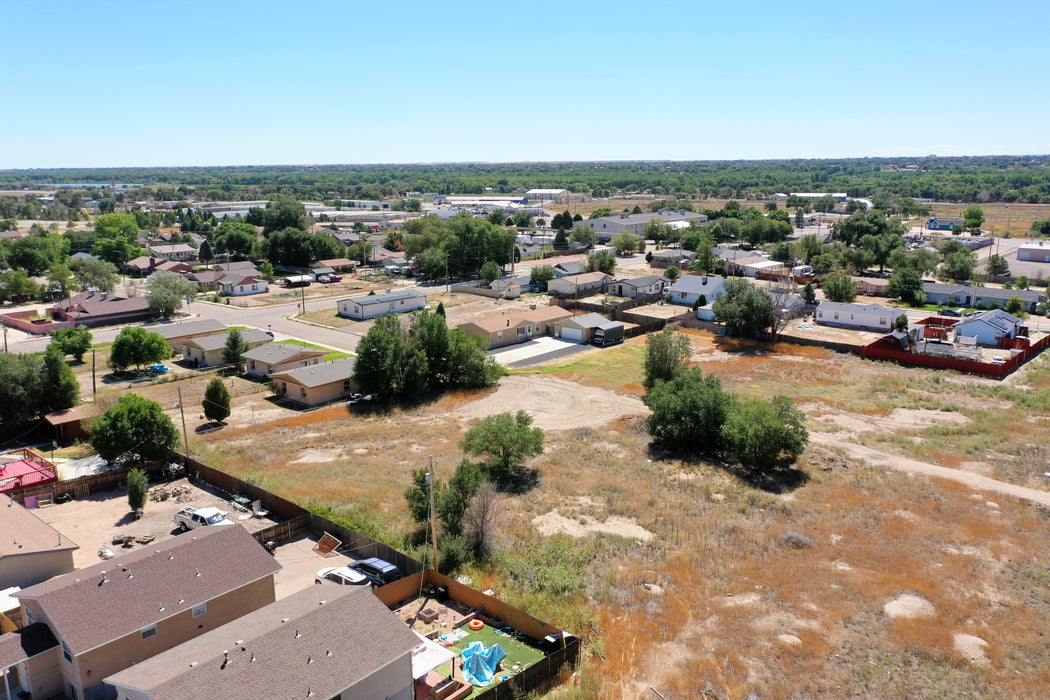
99 304
323 638
25 643
24 533
147 585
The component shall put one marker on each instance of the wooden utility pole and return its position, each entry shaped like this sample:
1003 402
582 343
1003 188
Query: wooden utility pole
433 530
92 371
185 437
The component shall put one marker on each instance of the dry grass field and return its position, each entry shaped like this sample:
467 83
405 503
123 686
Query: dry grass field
1000 218
686 578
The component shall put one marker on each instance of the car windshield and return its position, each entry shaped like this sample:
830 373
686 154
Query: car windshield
217 518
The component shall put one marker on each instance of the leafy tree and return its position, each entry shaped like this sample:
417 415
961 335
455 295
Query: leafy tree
455 498
37 253
98 274
900 323
205 254
542 274
744 309
1021 282
133 431
923 260
507 440
284 212
602 261
973 217
562 221
800 219
672 273
824 204
906 284
958 265
808 294
766 435
688 411
138 489
266 269
861 224
561 240
881 246
998 265
234 348
58 388
665 353
497 217
237 238
637 209
522 219
624 243
839 288
73 341
136 347
165 292
116 251
491 272
1014 306
15 284
121 226
600 212
216 401
584 235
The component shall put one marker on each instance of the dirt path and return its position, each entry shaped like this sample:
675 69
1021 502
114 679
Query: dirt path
911 466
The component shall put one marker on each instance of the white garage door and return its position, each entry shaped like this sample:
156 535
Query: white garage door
575 334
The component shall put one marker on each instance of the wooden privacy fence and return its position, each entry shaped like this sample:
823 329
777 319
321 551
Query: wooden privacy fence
363 546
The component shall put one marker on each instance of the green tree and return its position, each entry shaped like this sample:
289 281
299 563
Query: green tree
998 265
824 204
284 212
766 435
138 489
455 498
99 274
234 348
744 309
205 254
839 288
387 364
73 341
1014 306
665 353
58 388
602 261
440 310
881 246
237 238
672 273
808 294
1021 282
165 292
15 284
906 284
122 226
60 279
542 274
624 243
600 212
266 269
132 431
115 251
216 401
973 217
506 439
688 412
136 347
584 234
491 272
958 265
561 240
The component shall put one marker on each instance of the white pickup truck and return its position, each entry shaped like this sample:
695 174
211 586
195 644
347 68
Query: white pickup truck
191 518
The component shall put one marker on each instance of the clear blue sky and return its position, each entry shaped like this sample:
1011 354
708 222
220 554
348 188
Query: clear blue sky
222 83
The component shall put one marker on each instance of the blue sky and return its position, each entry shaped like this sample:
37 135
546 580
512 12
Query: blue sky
223 83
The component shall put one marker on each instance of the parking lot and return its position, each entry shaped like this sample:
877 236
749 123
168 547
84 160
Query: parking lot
536 351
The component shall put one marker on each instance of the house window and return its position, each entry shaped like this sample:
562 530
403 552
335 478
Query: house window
251 364
520 330
67 653
30 617
499 336
346 385
836 315
882 320
148 632
302 392
198 610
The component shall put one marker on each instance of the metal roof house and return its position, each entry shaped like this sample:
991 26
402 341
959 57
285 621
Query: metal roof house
988 327
392 301
871 317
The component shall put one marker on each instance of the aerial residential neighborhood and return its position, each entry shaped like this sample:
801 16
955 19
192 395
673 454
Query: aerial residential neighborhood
356 352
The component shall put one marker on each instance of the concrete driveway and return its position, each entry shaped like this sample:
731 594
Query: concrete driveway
535 351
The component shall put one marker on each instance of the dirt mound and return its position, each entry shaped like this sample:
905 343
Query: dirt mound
908 605
554 404
972 647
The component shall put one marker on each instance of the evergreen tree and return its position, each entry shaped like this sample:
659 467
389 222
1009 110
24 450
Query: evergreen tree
216 401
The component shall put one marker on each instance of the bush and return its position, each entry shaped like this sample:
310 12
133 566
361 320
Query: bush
138 487
766 435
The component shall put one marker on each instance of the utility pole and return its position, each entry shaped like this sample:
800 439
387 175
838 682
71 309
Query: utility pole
433 530
92 371
185 438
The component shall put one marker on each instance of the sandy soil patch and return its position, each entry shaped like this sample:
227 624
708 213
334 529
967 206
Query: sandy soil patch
897 419
972 647
908 605
554 404
318 454
554 523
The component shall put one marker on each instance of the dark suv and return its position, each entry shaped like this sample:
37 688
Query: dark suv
378 571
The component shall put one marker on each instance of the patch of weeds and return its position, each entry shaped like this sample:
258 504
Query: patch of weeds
795 540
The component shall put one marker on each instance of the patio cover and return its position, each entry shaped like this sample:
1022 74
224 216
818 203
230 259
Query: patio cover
428 656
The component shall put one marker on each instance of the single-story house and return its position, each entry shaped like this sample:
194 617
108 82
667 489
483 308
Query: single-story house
237 285
114 614
578 284
634 287
179 251
988 327
327 656
206 350
1034 252
569 268
338 264
31 551
317 384
979 297
943 224
517 328
581 328
871 286
392 301
264 360
176 266
178 333
673 256
100 308
207 279
689 288
71 424
873 317
608 226
142 266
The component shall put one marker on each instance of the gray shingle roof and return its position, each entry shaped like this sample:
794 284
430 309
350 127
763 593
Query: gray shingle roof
319 374
276 353
323 638
589 320
217 341
393 295
145 586
180 330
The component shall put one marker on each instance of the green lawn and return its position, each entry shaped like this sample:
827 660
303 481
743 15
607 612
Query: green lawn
329 353
611 368
518 652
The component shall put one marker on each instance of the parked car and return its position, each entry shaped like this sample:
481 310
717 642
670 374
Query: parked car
324 279
188 518
341 576
949 312
335 278
158 368
378 571
998 360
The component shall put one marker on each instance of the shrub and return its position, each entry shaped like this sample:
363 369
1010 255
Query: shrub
138 486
